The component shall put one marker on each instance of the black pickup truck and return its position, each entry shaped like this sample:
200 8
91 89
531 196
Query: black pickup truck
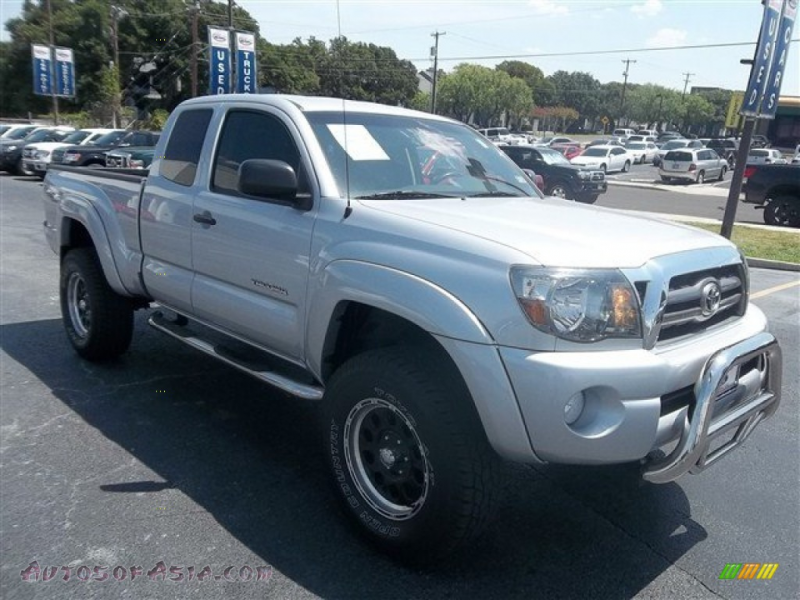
561 178
776 188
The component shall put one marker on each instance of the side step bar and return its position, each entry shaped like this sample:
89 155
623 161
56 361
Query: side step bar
190 338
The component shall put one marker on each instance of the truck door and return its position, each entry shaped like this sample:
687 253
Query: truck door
251 255
166 212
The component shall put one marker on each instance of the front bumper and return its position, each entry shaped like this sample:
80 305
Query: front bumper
629 410
591 188
8 160
37 166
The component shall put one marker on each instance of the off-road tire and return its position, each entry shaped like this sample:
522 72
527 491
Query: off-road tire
98 321
783 211
449 494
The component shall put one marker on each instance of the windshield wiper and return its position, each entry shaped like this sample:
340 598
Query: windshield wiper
399 194
492 194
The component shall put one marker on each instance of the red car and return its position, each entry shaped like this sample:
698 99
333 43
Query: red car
569 151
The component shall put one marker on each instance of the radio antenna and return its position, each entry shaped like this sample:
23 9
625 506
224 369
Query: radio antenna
349 209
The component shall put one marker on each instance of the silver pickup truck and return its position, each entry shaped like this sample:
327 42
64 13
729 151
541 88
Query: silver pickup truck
399 269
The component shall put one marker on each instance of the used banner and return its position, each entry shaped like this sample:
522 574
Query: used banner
246 72
773 88
765 55
220 76
42 76
65 72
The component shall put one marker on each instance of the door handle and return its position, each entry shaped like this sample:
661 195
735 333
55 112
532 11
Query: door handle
205 218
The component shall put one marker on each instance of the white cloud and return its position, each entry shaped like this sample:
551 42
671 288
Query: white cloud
648 8
667 37
549 7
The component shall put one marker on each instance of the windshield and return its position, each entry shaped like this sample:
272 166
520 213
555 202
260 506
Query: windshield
45 135
674 144
759 153
109 139
19 133
390 156
4 128
637 146
76 137
595 152
551 157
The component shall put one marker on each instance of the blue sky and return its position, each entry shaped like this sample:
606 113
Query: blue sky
526 27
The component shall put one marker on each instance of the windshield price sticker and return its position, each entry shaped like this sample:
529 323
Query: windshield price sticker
358 142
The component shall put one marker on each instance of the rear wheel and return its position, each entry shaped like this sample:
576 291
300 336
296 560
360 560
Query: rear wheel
626 167
98 321
722 172
409 459
701 177
666 179
783 211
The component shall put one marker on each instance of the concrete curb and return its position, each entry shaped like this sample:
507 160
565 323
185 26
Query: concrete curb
763 263
690 191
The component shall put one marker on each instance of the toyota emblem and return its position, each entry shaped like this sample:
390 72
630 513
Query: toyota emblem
710 297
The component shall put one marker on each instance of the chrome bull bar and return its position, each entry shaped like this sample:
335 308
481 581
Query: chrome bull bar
693 452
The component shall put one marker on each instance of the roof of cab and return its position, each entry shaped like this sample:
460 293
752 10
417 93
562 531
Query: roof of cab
310 104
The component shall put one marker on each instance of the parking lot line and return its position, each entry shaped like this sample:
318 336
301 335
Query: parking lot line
772 290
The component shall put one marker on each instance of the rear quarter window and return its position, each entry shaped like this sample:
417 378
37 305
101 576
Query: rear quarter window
185 143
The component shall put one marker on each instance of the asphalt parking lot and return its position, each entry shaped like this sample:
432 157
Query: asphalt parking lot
648 174
166 456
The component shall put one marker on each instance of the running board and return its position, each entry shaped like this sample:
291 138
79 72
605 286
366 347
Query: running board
191 338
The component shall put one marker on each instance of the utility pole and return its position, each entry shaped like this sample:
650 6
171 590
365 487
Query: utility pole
193 61
686 84
627 62
435 68
52 64
230 15
116 14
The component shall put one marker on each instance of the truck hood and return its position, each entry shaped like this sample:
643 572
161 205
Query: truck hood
50 146
556 232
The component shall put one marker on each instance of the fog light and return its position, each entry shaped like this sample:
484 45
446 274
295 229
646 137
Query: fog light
573 408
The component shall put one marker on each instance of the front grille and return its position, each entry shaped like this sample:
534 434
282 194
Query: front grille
28 153
598 176
114 161
686 311
58 156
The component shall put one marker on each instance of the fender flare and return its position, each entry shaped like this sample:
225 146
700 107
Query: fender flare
425 304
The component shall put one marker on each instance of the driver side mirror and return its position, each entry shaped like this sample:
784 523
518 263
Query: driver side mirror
265 178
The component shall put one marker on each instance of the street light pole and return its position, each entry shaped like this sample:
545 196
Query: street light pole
435 69
52 64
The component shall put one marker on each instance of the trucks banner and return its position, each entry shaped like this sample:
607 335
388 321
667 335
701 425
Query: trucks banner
246 71
65 72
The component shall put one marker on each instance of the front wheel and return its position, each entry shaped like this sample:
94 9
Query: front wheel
559 190
587 198
98 321
603 168
783 211
722 174
409 460
626 167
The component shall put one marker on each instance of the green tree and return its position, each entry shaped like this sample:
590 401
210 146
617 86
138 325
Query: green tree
697 111
578 90
543 90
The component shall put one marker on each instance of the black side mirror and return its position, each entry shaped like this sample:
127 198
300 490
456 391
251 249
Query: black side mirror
266 178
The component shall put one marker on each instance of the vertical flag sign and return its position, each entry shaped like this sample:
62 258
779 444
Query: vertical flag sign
42 75
220 75
246 73
65 72
773 88
759 74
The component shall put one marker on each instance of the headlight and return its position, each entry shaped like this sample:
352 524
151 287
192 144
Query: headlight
42 154
136 164
577 304
11 148
72 157
584 174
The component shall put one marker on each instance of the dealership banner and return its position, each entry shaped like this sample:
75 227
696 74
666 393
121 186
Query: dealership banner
778 71
246 72
42 75
220 76
765 55
65 72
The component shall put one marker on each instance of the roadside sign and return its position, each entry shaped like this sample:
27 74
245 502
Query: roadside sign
773 89
765 55
42 75
732 117
604 120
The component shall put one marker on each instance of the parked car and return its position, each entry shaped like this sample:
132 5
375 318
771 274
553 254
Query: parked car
499 134
95 155
776 189
438 328
765 156
549 141
605 142
36 157
569 151
605 158
796 157
623 133
648 132
692 164
667 136
759 141
726 148
560 178
17 132
131 157
642 152
11 149
675 145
